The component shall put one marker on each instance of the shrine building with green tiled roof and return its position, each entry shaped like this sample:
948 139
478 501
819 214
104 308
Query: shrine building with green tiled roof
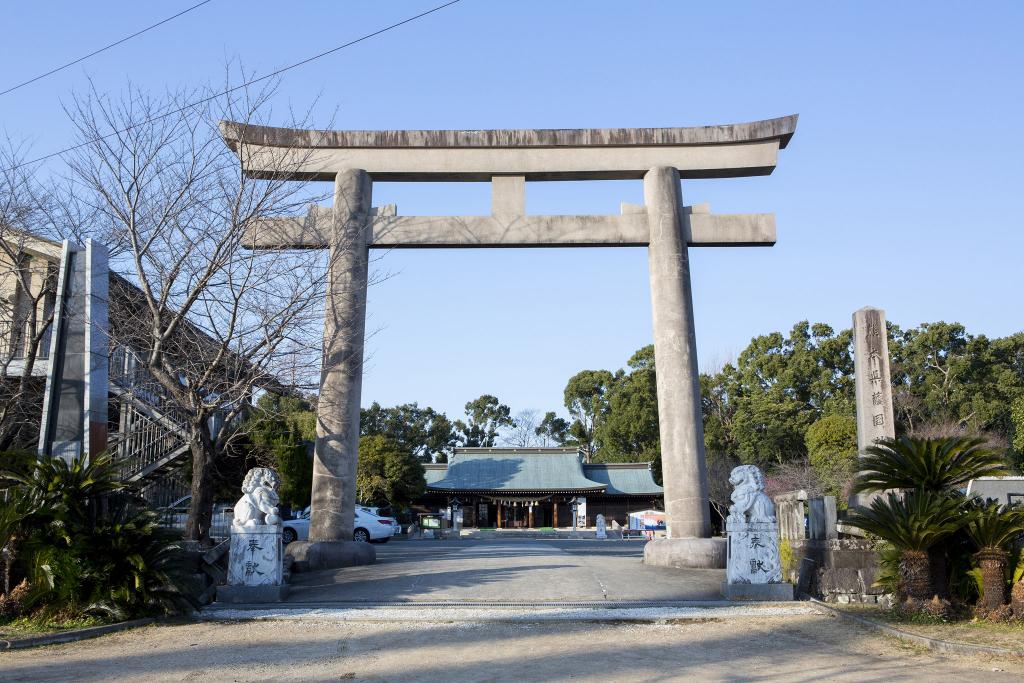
537 487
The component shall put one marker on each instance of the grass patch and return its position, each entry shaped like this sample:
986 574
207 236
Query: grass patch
23 627
972 631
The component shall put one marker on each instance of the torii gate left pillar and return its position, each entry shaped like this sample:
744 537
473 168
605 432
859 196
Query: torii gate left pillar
335 454
661 157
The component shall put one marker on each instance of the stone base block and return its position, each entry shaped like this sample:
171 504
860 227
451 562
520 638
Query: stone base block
686 553
254 557
757 591
310 556
251 594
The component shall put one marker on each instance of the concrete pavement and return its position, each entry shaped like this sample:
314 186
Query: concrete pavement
507 571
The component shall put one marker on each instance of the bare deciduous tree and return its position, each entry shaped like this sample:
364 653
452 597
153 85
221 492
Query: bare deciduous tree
211 321
959 428
796 475
523 433
720 466
27 275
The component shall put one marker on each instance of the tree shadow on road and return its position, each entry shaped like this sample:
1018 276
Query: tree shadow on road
795 649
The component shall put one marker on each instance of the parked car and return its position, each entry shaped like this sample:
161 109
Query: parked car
397 528
367 527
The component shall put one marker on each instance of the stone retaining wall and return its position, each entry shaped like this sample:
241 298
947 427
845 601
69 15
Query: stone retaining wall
836 570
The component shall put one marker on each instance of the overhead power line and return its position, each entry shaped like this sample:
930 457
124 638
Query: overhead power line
246 84
104 48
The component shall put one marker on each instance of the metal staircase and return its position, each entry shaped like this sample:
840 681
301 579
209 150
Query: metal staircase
151 439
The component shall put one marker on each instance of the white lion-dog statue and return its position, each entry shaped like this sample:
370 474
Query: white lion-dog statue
749 501
259 501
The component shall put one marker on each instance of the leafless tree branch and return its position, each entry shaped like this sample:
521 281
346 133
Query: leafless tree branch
212 322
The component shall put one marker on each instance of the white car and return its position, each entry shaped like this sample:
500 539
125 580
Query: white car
396 527
367 527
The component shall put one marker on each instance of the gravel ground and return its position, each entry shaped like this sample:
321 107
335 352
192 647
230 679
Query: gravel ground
712 647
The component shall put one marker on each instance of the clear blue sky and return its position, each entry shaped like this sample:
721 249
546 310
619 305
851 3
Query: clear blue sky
903 187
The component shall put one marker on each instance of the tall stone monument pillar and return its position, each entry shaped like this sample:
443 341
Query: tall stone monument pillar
873 384
684 471
335 455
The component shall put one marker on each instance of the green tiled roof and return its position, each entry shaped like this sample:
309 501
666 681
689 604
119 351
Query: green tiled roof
512 470
632 478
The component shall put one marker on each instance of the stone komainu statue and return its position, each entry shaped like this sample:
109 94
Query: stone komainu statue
749 501
259 501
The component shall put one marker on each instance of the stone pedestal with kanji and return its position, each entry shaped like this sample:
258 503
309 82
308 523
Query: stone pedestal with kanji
255 568
753 569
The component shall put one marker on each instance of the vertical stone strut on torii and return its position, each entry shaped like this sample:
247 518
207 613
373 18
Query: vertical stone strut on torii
507 159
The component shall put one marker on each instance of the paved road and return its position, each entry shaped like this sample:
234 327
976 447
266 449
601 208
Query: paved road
507 570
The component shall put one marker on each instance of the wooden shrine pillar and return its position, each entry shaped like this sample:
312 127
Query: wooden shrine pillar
529 518
554 514
499 515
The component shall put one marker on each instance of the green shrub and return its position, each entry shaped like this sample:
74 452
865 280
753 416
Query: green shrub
127 566
278 434
832 451
293 462
786 558
888 577
89 546
17 462
1017 430
965 584
387 473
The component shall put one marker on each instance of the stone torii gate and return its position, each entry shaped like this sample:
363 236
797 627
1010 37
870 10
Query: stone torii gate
508 159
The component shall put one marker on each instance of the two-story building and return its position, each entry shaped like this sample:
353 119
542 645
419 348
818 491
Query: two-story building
142 426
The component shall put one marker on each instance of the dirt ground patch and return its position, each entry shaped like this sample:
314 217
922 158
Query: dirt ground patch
794 648
1009 636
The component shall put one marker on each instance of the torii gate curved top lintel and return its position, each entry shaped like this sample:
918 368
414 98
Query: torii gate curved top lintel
509 158
728 151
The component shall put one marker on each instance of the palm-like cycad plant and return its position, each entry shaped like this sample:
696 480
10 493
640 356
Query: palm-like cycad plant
68 488
993 527
912 522
14 508
926 464
89 543
137 566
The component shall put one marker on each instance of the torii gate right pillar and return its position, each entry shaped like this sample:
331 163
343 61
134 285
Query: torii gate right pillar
680 422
